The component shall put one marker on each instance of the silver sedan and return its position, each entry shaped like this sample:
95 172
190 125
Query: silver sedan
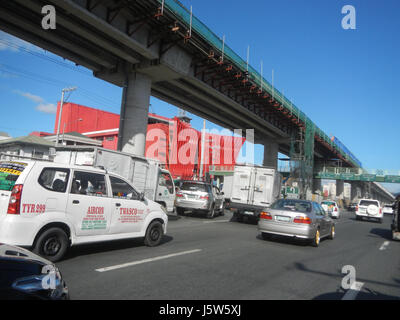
298 219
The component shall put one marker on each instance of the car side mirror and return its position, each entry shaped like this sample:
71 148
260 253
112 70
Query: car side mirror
141 196
222 193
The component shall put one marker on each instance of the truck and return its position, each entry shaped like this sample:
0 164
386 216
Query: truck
250 189
147 175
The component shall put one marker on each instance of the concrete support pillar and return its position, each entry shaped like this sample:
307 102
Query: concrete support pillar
270 153
317 186
134 114
340 189
355 192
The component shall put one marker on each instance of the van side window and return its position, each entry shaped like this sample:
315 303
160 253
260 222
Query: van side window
88 183
166 181
122 190
54 179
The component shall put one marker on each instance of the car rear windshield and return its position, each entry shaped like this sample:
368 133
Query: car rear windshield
187 186
9 173
329 203
368 203
292 205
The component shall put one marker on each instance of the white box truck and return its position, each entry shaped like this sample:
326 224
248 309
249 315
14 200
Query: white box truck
250 189
146 175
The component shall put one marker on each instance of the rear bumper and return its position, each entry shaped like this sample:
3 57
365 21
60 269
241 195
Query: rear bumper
377 216
245 209
192 204
301 231
16 231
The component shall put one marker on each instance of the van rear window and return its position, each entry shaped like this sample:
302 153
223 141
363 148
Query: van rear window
9 173
368 203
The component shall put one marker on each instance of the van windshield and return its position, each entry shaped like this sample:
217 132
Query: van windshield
9 173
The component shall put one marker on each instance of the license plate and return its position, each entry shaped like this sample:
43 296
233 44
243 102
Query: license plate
250 213
282 218
191 196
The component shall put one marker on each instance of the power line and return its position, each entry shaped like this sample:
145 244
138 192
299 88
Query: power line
58 83
43 56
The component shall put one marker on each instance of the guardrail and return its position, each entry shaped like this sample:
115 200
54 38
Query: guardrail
358 174
184 15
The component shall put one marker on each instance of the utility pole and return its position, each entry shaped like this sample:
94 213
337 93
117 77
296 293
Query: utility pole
203 139
60 113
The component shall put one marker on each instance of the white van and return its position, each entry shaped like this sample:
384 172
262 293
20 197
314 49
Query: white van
147 175
50 206
369 208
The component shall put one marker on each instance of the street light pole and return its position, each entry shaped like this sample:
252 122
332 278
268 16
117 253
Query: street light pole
65 123
60 113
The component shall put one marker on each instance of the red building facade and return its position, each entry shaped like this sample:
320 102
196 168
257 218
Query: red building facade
172 141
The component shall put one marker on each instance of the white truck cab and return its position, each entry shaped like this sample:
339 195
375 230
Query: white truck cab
50 206
369 208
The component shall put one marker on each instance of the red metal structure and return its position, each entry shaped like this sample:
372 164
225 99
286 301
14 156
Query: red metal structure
172 141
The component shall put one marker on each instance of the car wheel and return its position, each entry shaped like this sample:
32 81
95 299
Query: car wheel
380 220
180 211
222 212
52 244
154 234
332 234
317 238
211 213
238 217
266 236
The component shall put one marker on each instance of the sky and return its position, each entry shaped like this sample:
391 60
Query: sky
346 81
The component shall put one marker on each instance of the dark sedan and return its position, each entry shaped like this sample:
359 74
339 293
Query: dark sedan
26 276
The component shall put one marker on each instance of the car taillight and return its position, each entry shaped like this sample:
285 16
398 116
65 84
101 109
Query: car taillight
380 210
179 195
265 215
300 219
204 197
335 209
356 208
15 200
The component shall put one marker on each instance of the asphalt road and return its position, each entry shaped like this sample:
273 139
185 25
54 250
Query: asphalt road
223 259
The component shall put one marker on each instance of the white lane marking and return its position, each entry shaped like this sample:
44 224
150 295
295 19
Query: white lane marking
384 245
134 263
216 221
352 293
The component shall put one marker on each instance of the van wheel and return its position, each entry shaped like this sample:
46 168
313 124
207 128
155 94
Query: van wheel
154 234
52 244
317 239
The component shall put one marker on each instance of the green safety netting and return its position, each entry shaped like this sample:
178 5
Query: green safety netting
184 16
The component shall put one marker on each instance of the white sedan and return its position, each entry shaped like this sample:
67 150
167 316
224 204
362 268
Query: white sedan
332 208
388 209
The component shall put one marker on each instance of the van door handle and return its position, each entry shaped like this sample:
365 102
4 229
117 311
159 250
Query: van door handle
117 204
75 201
